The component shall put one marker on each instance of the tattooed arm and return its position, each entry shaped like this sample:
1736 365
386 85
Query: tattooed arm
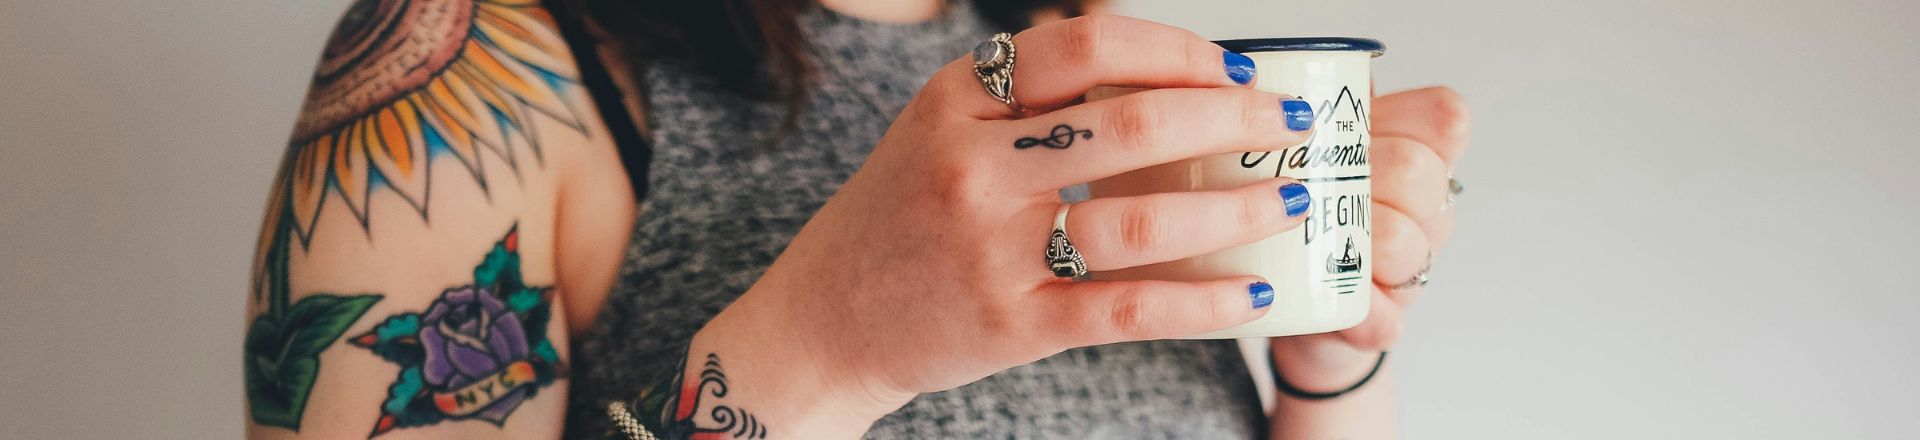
408 283
448 208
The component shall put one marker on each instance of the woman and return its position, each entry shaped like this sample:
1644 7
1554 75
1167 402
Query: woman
834 236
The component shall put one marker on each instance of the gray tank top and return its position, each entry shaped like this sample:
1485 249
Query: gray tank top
721 204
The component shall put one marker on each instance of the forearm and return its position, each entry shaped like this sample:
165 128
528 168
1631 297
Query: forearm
1364 413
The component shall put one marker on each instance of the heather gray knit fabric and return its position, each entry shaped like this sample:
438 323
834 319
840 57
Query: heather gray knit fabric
723 204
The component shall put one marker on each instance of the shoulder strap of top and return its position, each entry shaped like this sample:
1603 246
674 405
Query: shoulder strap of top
635 152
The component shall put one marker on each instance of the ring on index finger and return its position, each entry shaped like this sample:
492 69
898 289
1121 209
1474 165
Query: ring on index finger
993 64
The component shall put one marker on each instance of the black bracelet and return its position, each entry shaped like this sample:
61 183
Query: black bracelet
1290 390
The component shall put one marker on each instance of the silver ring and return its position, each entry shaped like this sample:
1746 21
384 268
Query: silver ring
1062 258
1419 278
993 64
1454 188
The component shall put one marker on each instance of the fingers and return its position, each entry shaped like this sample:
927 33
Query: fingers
1436 117
1072 56
1420 136
1101 312
1121 232
1056 63
1400 249
1095 140
1408 177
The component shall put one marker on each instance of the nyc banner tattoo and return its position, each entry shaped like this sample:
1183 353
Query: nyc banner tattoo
476 353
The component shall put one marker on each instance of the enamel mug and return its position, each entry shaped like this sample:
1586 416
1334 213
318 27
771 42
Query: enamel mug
1322 271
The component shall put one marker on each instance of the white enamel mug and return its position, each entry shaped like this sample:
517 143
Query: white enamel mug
1322 272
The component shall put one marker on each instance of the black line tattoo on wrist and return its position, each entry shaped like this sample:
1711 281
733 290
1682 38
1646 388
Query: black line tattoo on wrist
1059 139
670 405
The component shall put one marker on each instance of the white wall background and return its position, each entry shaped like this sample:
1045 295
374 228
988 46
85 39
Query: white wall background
1685 219
136 142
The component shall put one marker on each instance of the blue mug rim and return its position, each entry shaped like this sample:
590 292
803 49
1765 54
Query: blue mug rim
1338 44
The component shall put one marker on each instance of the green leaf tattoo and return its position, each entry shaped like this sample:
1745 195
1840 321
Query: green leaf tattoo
283 346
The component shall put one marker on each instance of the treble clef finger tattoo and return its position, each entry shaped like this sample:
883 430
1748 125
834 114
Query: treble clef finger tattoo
1059 139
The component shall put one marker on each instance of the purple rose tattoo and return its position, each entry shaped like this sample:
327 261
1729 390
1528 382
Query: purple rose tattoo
478 352
469 337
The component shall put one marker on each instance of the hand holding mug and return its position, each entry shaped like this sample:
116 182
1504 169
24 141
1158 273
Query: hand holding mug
927 270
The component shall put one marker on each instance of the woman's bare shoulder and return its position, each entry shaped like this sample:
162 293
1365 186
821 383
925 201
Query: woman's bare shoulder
434 163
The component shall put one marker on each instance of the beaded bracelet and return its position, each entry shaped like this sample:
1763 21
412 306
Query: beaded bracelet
623 419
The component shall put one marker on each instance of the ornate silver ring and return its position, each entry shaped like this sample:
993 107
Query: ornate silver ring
993 64
1062 258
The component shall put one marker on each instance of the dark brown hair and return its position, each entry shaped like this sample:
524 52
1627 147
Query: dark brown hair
755 48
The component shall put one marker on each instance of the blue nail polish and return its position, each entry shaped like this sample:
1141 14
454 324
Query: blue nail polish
1299 114
1296 198
1239 67
1262 294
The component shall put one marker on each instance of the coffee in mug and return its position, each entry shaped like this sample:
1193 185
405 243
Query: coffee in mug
1322 271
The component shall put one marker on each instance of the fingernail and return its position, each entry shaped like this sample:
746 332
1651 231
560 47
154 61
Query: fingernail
1296 198
1262 294
1239 67
1299 114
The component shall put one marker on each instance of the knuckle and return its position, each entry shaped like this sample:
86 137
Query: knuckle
933 95
1139 229
956 182
1388 231
1421 161
1227 310
1082 39
1399 241
1134 121
1408 159
1259 112
1367 340
998 321
1258 211
1431 173
1454 117
1202 60
952 173
1128 319
1420 173
1387 157
1394 247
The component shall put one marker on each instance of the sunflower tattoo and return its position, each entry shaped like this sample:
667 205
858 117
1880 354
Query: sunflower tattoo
403 84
